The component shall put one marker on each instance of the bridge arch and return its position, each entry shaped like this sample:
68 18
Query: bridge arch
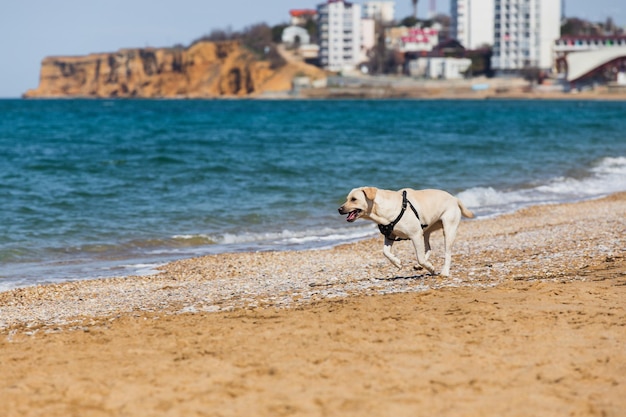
582 64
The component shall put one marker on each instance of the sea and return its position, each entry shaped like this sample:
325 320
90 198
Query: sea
102 188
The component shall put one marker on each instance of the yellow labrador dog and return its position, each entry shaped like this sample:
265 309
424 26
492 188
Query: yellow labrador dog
409 215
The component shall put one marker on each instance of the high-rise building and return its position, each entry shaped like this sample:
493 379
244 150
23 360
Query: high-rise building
524 32
383 11
472 22
339 28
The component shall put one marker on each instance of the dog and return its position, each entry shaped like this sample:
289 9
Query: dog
409 215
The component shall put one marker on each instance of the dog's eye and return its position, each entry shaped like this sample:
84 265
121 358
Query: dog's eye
353 199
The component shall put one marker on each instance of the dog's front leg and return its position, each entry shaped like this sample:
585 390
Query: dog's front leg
387 252
427 243
420 252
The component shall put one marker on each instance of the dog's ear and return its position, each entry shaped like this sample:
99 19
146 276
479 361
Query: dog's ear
370 192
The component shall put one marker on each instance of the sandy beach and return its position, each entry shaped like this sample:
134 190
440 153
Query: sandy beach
532 321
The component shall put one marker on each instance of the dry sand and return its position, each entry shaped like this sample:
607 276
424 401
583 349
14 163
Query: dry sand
531 322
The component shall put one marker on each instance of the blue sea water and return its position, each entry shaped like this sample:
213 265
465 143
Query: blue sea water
96 188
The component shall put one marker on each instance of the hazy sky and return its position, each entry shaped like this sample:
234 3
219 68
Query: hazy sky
33 29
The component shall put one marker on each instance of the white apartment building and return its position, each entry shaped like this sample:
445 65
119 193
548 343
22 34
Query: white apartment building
472 22
524 32
383 11
339 28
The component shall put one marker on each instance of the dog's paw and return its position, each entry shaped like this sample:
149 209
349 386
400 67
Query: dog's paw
396 263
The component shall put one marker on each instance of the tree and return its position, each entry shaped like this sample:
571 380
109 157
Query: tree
381 59
409 21
277 33
414 2
311 27
532 74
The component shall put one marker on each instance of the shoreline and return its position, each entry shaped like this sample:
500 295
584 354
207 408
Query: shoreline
152 266
530 322
368 95
287 278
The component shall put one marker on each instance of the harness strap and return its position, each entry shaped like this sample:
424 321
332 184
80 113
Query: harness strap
387 229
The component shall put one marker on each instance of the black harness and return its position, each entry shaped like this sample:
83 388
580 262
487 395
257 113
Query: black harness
387 229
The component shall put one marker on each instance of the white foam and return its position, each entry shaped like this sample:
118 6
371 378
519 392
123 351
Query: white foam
191 237
607 176
142 269
299 237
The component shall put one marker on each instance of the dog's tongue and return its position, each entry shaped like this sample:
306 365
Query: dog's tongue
352 216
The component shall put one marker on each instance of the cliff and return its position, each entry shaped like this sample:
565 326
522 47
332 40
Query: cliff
204 70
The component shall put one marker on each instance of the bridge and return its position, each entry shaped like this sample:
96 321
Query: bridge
582 64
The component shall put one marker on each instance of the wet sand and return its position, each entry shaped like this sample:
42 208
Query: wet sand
531 322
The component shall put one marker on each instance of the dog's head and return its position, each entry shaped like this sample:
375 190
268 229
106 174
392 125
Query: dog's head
359 203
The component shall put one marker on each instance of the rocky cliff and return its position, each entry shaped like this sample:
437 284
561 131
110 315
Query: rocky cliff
204 70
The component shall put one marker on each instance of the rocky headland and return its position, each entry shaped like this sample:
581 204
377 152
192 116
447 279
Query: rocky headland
203 70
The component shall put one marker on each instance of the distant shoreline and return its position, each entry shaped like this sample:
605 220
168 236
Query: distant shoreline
374 93
357 96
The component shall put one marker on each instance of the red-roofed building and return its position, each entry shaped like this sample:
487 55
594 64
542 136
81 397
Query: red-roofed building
300 16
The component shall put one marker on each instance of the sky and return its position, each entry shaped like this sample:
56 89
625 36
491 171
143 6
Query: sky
30 30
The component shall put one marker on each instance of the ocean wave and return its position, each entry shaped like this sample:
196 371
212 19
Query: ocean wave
306 238
287 239
606 176
192 240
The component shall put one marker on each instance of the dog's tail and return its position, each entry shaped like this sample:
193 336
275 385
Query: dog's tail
464 210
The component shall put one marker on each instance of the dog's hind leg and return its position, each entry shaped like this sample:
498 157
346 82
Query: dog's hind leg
387 252
427 232
449 235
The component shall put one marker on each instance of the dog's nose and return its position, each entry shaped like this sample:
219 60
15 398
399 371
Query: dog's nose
340 210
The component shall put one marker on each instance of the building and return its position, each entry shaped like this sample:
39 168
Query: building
295 36
368 38
472 22
381 11
445 68
299 17
524 32
339 29
416 39
404 39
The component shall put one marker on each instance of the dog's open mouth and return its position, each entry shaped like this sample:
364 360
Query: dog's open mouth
352 216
